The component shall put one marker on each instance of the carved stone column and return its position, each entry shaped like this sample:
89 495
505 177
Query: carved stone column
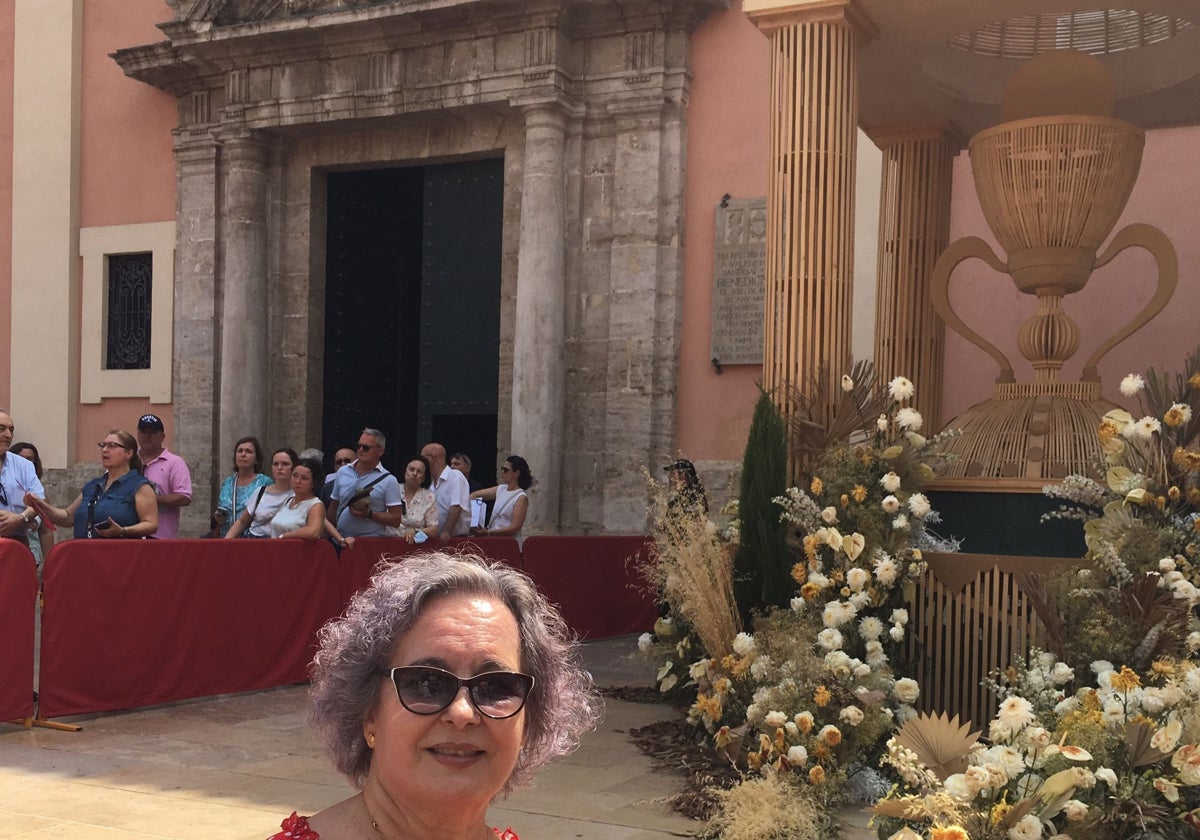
194 388
810 194
244 350
538 345
914 230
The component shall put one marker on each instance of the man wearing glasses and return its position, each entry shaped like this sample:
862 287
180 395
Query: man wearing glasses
366 500
17 477
341 458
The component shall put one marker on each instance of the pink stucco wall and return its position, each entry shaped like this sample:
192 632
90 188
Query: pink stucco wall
1167 195
726 153
126 166
7 11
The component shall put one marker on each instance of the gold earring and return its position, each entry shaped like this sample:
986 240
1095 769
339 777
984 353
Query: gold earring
371 740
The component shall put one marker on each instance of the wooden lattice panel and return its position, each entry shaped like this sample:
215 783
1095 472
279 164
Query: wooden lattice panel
969 617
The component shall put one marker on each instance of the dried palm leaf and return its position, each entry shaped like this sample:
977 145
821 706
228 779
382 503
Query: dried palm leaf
941 743
1138 747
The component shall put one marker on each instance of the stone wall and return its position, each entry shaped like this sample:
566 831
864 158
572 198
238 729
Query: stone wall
272 94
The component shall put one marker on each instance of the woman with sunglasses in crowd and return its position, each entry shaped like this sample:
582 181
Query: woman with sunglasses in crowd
261 508
446 682
119 503
508 513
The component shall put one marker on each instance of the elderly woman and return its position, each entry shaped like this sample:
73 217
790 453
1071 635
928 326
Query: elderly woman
446 682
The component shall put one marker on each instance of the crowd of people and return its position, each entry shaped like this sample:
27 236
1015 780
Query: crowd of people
144 486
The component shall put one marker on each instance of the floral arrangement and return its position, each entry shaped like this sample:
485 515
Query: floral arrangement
1115 760
807 699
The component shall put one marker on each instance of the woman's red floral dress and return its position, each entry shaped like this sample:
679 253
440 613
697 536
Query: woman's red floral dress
296 827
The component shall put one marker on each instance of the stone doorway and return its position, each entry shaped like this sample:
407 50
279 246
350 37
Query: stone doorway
412 307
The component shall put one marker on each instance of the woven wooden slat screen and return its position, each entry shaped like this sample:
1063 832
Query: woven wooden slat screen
1095 31
914 229
967 618
810 206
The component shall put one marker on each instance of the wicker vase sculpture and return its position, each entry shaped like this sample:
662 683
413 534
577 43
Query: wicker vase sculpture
1052 187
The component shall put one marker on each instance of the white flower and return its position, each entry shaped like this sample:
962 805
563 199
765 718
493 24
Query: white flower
804 720
697 670
861 600
881 423
1107 775
791 729
853 545
743 644
960 787
901 389
900 616
909 418
645 642
760 667
1167 564
890 482
918 505
1061 673
890 504
870 628
847 383
1131 385
1026 828
897 633
1146 427
1015 713
830 639
829 515
797 756
1178 414
1193 641
798 604
1100 666
837 613
857 578
906 690
900 522
851 715
886 571
1038 736
839 662
1075 810
775 719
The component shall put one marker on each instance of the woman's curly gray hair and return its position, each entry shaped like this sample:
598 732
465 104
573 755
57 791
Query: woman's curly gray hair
355 648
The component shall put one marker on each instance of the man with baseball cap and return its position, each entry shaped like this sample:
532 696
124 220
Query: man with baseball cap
170 475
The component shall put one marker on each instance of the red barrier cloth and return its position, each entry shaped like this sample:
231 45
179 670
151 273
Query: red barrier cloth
357 564
130 623
599 593
18 608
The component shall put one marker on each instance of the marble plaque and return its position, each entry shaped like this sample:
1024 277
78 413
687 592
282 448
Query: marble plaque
739 273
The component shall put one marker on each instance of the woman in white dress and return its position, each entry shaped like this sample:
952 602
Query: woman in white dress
508 513
261 508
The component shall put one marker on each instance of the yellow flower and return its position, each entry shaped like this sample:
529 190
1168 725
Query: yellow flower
845 500
810 548
722 738
1173 493
1186 459
809 591
1125 680
822 696
1163 667
859 493
999 811
816 775
816 486
1178 414
949 832
799 573
1194 380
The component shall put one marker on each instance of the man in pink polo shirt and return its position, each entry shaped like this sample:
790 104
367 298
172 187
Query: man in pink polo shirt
170 475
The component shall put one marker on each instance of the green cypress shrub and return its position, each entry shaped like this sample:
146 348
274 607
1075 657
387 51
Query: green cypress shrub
762 568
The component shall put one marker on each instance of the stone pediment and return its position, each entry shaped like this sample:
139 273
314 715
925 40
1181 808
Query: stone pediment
233 12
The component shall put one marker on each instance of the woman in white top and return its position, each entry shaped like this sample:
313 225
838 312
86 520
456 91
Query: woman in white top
255 520
420 505
508 513
302 517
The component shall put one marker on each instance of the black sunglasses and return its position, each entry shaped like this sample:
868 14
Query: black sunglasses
425 690
366 447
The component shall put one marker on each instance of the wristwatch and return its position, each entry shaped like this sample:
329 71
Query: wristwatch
27 519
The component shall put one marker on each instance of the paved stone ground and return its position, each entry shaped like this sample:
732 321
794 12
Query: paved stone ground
230 768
